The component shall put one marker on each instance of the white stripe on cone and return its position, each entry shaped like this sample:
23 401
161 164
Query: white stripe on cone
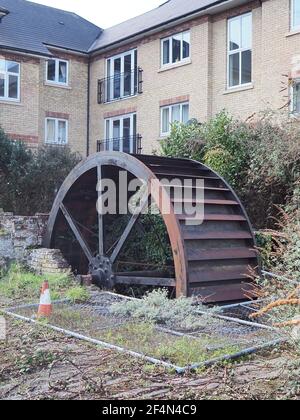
45 307
45 298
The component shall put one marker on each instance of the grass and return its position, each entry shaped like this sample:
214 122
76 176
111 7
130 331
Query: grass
20 284
181 351
77 294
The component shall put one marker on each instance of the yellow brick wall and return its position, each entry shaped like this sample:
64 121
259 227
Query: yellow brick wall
26 119
273 53
205 79
70 100
21 118
189 79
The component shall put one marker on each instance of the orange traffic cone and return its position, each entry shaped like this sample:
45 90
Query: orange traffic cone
45 307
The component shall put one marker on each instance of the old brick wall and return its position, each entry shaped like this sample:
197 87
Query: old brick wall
18 234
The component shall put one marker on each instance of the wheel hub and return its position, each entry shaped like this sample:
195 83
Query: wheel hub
101 271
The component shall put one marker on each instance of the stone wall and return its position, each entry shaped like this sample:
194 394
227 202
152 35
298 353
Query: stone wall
47 261
18 234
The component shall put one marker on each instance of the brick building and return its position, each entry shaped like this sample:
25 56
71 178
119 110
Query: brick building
64 80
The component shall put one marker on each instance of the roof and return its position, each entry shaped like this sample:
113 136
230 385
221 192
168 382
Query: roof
31 27
167 12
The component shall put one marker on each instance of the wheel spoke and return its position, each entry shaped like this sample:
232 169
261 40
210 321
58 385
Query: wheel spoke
76 232
100 216
129 228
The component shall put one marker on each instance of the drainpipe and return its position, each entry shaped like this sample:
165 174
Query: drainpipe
88 109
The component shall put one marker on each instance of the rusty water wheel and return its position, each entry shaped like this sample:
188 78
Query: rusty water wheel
214 260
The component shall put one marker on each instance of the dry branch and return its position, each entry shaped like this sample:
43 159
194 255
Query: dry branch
278 303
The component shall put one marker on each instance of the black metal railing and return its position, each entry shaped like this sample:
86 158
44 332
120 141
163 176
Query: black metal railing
130 145
120 86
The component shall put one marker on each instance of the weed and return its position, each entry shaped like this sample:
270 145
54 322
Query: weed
27 363
19 283
77 294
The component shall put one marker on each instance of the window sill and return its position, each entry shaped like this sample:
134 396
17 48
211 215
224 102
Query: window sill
293 32
120 99
55 144
238 89
175 66
57 85
10 102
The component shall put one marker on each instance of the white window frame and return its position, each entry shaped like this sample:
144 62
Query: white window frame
110 139
182 104
238 51
57 120
292 90
6 74
133 66
56 81
294 27
170 38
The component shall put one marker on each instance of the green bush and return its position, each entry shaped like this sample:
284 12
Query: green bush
259 158
226 147
185 141
30 179
219 143
221 161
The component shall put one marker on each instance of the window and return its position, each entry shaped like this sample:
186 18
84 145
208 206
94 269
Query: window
240 50
295 14
9 80
57 72
122 76
56 131
120 134
175 49
173 113
295 103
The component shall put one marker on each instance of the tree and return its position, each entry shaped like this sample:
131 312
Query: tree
30 179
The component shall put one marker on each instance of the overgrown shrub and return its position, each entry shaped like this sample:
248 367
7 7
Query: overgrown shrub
185 141
15 161
273 171
30 179
260 158
284 260
156 307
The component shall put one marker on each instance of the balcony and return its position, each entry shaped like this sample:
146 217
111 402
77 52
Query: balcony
130 145
120 86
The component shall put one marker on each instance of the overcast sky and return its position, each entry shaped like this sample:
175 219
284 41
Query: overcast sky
102 12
